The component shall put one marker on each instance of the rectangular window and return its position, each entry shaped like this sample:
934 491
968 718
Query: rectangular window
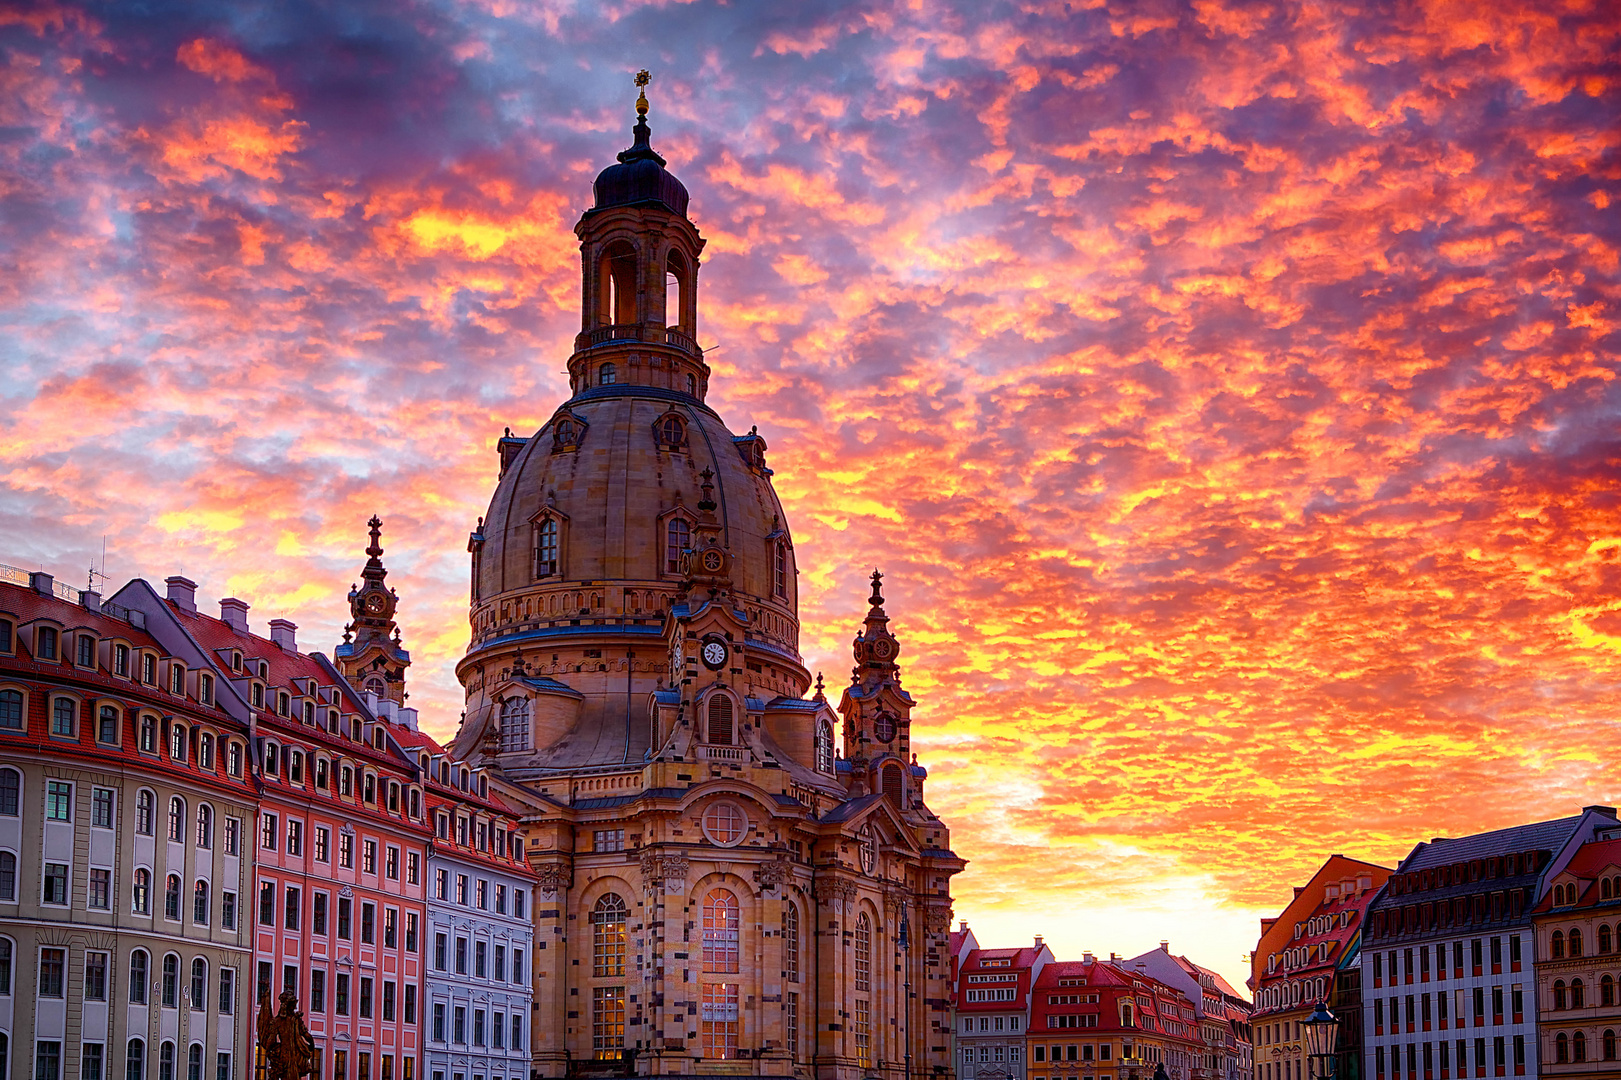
233 836
391 864
413 874
222 1065
340 1065
318 914
101 807
391 918
51 965
58 800
500 899
341 994
517 965
295 837
292 905
439 946
46 642
438 1022
517 1032
268 831
718 1020
790 1020
410 1003
48 1055
87 651
101 890
228 911
368 856
458 1026
441 886
365 998
461 889
227 991
411 932
368 923
267 903
479 954
95 976
346 851
478 1027
863 1034
517 903
317 991
323 836
90 1062
343 917
500 963
461 956
54 884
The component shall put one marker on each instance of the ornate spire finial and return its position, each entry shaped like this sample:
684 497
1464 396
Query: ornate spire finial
877 597
820 696
707 503
376 527
642 79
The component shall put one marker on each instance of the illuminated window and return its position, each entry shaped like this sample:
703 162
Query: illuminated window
719 1020
608 938
607 1023
725 824
720 928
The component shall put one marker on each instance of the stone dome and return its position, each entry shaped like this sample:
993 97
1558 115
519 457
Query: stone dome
614 492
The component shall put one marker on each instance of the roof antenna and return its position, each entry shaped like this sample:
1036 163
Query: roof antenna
90 578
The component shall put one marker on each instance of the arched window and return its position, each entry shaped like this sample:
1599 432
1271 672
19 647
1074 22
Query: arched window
1561 1048
205 826
677 540
1578 994
199 983
11 789
863 954
141 894
779 570
11 710
1606 943
720 720
514 725
135 1058
166 1061
199 903
1559 994
1556 946
205 751
1578 1046
675 291
546 547
824 747
139 961
1609 1044
171 898
790 941
720 920
1126 1014
177 818
608 938
894 785
177 742
618 284
1606 990
171 981
1574 941
194 1062
607 375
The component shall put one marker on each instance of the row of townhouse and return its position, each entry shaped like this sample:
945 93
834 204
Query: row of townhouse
1492 955
193 817
1020 1014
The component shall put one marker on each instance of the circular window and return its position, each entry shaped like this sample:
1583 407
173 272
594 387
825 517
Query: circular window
725 823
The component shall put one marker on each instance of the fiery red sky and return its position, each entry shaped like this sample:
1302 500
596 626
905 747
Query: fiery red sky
1228 389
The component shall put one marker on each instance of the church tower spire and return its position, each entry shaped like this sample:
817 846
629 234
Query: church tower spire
372 657
639 253
878 712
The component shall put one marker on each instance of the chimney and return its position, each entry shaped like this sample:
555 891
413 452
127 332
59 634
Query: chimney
42 583
1164 946
1331 892
234 613
182 593
962 926
1364 882
1087 957
90 599
1606 811
1038 941
282 633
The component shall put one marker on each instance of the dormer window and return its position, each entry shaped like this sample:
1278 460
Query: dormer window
283 703
149 669
45 643
677 542
779 570
205 688
236 661
87 651
309 712
824 747
546 547
264 670
258 695
670 433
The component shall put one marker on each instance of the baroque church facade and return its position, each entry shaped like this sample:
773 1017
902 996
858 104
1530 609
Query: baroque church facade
737 875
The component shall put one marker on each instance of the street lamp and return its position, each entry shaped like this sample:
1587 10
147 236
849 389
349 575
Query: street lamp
906 989
1321 1030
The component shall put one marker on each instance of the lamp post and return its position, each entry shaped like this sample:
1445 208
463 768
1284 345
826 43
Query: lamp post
1321 1031
906 990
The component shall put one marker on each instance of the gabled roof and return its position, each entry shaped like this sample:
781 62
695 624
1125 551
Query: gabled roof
1538 836
1592 862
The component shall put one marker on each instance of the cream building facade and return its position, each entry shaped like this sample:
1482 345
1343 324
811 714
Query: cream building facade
736 875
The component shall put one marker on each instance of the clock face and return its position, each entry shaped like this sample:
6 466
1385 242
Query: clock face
884 727
714 654
883 648
374 604
712 561
678 657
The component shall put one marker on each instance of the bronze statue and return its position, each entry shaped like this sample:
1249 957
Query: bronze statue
288 1048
